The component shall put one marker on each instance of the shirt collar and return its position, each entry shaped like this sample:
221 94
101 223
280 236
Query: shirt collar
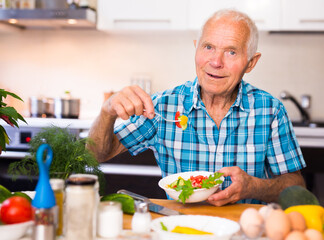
195 102
242 100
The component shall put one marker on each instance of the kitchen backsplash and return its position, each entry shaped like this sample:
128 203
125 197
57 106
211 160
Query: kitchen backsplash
90 63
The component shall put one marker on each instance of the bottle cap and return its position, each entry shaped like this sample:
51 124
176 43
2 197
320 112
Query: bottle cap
80 181
142 207
57 183
44 196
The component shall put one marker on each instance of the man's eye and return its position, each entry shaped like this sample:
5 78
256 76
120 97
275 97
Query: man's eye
208 47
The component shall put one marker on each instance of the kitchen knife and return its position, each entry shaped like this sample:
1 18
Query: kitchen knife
152 206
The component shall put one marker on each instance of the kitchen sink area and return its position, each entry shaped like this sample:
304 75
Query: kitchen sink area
312 124
311 141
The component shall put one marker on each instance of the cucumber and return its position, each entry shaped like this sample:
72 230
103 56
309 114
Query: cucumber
178 182
296 195
181 182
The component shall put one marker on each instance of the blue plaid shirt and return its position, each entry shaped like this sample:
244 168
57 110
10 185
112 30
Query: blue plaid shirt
255 135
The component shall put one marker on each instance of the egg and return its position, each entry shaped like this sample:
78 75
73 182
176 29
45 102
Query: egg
277 225
265 210
296 235
297 221
313 234
251 223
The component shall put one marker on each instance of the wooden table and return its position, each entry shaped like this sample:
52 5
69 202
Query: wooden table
232 212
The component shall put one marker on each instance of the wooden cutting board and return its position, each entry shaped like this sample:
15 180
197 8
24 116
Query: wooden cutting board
232 212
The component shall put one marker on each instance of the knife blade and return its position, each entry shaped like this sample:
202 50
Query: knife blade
152 206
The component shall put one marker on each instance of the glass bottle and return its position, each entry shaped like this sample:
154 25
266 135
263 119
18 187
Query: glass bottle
58 188
80 208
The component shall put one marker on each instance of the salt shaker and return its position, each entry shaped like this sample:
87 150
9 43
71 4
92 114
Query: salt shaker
110 219
141 219
80 208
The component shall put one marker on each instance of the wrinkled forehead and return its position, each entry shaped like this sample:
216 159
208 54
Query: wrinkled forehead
227 25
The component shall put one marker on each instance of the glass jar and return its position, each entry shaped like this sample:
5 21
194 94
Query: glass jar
58 188
110 219
80 208
96 189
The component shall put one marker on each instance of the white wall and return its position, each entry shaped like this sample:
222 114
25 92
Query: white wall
89 63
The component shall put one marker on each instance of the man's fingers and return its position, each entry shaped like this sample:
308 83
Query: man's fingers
147 102
219 199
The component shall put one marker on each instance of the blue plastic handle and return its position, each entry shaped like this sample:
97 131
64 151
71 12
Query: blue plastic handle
44 197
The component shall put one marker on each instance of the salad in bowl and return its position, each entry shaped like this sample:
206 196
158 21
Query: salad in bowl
190 187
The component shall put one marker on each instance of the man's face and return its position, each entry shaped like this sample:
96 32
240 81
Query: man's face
221 56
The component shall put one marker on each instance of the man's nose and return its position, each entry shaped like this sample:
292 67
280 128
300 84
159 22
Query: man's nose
217 60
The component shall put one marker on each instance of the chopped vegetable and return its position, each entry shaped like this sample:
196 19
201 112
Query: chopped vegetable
187 187
189 230
164 228
183 121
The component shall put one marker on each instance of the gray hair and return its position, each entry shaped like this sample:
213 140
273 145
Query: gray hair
234 15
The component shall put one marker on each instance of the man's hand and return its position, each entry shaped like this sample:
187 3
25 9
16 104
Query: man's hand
239 189
129 101
245 186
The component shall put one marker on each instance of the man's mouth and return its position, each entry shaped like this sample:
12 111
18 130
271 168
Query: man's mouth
215 76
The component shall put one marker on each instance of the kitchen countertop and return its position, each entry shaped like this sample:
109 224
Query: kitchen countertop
59 122
310 137
232 211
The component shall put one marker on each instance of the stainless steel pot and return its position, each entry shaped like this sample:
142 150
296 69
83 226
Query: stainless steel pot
66 108
36 106
49 107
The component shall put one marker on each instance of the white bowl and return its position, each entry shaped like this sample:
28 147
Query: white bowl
14 231
198 195
221 228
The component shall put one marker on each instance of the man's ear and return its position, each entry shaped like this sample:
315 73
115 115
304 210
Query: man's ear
195 43
253 62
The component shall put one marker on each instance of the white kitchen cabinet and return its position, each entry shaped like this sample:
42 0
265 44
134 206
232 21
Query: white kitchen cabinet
265 13
302 15
141 14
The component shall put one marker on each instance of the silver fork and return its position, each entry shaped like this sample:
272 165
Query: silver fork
165 119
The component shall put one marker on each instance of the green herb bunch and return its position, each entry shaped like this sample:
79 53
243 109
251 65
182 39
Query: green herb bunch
9 115
70 155
187 189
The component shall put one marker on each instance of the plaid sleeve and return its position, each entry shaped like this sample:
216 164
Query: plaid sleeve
284 154
136 134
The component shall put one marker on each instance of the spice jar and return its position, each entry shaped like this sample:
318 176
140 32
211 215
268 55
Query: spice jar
141 219
80 208
58 188
110 219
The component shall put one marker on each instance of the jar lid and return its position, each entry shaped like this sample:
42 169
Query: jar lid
57 183
80 181
110 205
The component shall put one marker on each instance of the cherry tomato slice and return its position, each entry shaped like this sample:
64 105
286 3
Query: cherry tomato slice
177 115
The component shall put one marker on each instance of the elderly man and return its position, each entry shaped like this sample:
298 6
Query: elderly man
233 127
